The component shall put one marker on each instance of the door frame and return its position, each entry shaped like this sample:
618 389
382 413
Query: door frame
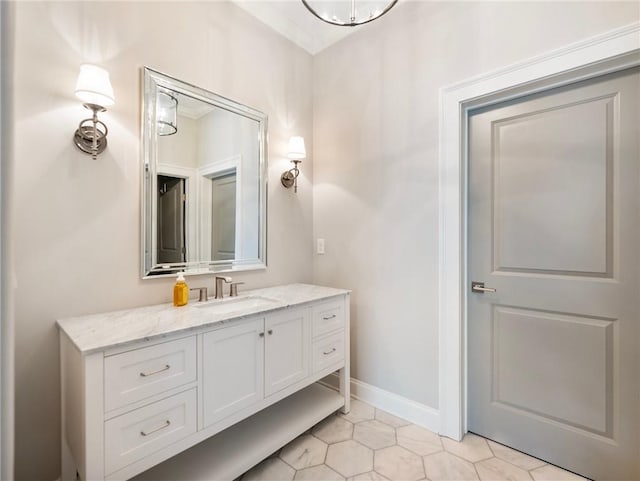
599 55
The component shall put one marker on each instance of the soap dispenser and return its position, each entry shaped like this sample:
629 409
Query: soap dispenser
180 291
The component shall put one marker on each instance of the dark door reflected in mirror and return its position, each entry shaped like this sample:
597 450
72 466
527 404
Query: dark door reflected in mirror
171 217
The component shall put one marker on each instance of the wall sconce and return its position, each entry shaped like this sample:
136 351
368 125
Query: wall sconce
296 153
94 89
167 113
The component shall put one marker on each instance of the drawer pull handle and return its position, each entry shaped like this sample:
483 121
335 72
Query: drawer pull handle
166 424
329 352
147 374
332 316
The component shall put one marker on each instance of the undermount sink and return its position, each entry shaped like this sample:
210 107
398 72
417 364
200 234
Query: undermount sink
237 304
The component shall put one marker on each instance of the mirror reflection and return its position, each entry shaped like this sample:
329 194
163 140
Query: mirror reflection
205 180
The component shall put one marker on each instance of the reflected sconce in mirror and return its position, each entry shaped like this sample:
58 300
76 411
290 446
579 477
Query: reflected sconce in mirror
94 89
167 113
296 153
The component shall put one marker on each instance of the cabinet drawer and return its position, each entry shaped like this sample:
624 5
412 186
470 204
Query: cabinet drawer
328 317
137 434
138 374
328 351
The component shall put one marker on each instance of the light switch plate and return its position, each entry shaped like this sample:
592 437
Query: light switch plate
320 246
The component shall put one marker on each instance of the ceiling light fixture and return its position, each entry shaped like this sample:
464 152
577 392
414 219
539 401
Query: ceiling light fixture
167 113
348 13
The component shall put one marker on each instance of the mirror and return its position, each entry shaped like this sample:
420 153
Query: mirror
204 189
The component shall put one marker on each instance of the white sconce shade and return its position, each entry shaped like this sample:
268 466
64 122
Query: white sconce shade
296 148
167 114
94 87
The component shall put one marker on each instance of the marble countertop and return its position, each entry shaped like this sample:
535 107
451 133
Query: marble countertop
97 332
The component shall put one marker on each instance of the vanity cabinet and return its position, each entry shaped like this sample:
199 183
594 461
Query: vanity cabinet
286 349
138 433
242 364
232 369
245 379
138 374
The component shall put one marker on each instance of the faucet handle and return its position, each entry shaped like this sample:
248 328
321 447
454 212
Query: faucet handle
233 289
204 295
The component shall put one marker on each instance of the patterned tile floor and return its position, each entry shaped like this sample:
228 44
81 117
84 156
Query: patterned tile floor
371 445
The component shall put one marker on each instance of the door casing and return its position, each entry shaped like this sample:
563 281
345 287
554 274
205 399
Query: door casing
606 53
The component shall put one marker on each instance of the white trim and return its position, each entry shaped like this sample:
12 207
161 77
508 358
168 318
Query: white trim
404 408
454 101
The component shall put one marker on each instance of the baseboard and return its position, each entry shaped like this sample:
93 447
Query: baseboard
417 413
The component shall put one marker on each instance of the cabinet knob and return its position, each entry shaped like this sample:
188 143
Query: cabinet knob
261 334
270 331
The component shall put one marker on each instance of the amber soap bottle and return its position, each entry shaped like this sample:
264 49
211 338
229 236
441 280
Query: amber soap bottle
180 291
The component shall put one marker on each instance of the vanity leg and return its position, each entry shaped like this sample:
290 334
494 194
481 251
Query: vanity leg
345 372
345 389
68 465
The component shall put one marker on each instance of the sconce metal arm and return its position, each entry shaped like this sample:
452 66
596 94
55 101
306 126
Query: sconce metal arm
290 177
91 135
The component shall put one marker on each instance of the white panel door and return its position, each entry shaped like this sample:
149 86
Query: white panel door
233 367
287 343
223 218
554 207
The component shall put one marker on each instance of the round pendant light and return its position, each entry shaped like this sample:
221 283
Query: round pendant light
167 113
348 13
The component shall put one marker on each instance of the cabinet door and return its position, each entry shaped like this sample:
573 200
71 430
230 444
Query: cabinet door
287 342
233 366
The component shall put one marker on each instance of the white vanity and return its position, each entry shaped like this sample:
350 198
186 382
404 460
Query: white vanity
232 379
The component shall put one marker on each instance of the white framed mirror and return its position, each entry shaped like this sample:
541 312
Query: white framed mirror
204 180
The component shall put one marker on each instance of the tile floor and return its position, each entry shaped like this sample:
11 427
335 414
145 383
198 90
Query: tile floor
371 445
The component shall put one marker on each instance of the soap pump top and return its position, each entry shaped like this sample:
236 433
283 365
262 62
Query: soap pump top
180 291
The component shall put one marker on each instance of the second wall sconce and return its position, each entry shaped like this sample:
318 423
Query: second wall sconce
296 153
94 89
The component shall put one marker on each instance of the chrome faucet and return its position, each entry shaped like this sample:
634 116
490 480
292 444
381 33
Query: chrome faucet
219 280
203 293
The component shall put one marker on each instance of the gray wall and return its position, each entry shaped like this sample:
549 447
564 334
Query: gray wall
74 222
76 227
375 115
